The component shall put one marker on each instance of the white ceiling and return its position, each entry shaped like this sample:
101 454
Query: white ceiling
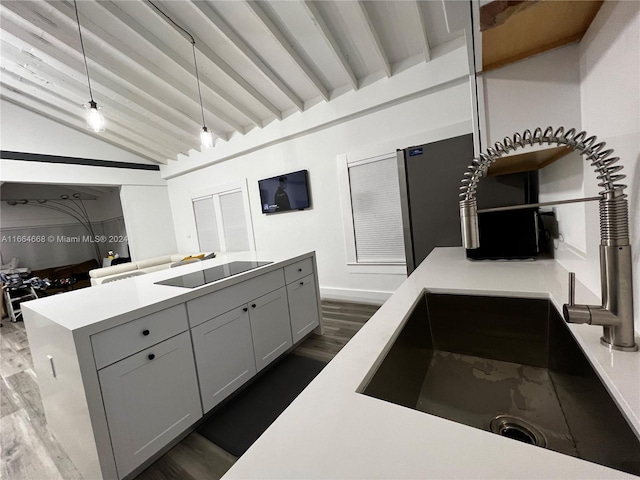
258 61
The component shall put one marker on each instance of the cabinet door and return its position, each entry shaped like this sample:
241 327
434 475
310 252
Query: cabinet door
150 398
303 307
270 327
224 355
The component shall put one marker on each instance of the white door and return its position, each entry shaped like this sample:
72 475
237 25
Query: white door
303 307
270 327
150 398
224 355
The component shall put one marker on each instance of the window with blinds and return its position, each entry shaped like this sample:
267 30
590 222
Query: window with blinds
377 216
206 224
221 222
234 222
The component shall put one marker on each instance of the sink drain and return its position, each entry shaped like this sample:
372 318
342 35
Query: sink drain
517 429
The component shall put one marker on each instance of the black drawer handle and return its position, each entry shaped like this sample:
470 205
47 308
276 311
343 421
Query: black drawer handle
145 332
245 309
253 305
151 356
299 269
301 283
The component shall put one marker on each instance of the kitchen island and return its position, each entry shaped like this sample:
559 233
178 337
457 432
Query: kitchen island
332 431
128 368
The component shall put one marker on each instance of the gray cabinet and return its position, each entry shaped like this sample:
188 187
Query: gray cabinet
303 307
270 327
150 398
223 350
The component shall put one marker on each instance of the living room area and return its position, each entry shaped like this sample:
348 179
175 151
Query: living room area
53 235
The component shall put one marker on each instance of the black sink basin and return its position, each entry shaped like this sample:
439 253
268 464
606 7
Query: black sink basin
508 366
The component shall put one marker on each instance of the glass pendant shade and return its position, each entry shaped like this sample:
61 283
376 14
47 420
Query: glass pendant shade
206 139
95 119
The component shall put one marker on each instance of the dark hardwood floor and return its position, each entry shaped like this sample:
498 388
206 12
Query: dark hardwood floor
30 452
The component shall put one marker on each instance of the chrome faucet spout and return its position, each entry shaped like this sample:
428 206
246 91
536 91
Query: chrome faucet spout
615 314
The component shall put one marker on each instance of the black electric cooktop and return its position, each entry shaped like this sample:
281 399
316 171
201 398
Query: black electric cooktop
210 275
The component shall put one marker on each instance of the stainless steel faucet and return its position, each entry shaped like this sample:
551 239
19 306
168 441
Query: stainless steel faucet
615 314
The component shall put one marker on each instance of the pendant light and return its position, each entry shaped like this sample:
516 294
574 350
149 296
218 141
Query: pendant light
206 138
95 119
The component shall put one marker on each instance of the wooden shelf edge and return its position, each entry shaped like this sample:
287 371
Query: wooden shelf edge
527 162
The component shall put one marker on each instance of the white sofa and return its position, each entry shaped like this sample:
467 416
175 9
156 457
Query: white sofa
132 269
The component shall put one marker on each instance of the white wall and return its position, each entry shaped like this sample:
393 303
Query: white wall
610 98
540 91
564 180
147 213
320 228
22 130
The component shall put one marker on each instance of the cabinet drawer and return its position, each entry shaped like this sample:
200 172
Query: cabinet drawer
298 270
129 338
209 306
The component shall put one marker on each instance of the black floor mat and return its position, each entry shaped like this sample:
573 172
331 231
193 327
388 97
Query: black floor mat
240 422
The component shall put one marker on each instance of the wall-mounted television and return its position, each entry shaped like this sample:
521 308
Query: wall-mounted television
284 192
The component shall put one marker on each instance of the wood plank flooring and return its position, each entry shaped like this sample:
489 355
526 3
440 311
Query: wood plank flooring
30 452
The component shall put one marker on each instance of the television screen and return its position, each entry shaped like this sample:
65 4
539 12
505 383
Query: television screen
284 192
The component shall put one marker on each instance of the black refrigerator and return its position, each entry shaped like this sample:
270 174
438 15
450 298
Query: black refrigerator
430 177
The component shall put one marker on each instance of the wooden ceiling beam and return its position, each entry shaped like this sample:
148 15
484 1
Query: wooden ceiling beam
275 33
374 38
422 29
331 42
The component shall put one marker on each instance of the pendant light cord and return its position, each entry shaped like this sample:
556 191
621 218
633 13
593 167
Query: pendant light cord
193 45
86 68
195 62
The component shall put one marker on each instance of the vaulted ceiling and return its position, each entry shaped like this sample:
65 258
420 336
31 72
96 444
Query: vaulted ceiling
258 62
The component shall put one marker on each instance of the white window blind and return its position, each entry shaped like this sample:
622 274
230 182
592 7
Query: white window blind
234 222
206 224
377 217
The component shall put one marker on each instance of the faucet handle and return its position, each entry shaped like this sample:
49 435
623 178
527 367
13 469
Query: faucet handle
572 289
575 313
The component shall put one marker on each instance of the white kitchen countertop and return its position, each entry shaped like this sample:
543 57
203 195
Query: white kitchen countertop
332 432
110 304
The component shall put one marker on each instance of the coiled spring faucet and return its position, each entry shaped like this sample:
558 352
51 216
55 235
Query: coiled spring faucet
615 314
